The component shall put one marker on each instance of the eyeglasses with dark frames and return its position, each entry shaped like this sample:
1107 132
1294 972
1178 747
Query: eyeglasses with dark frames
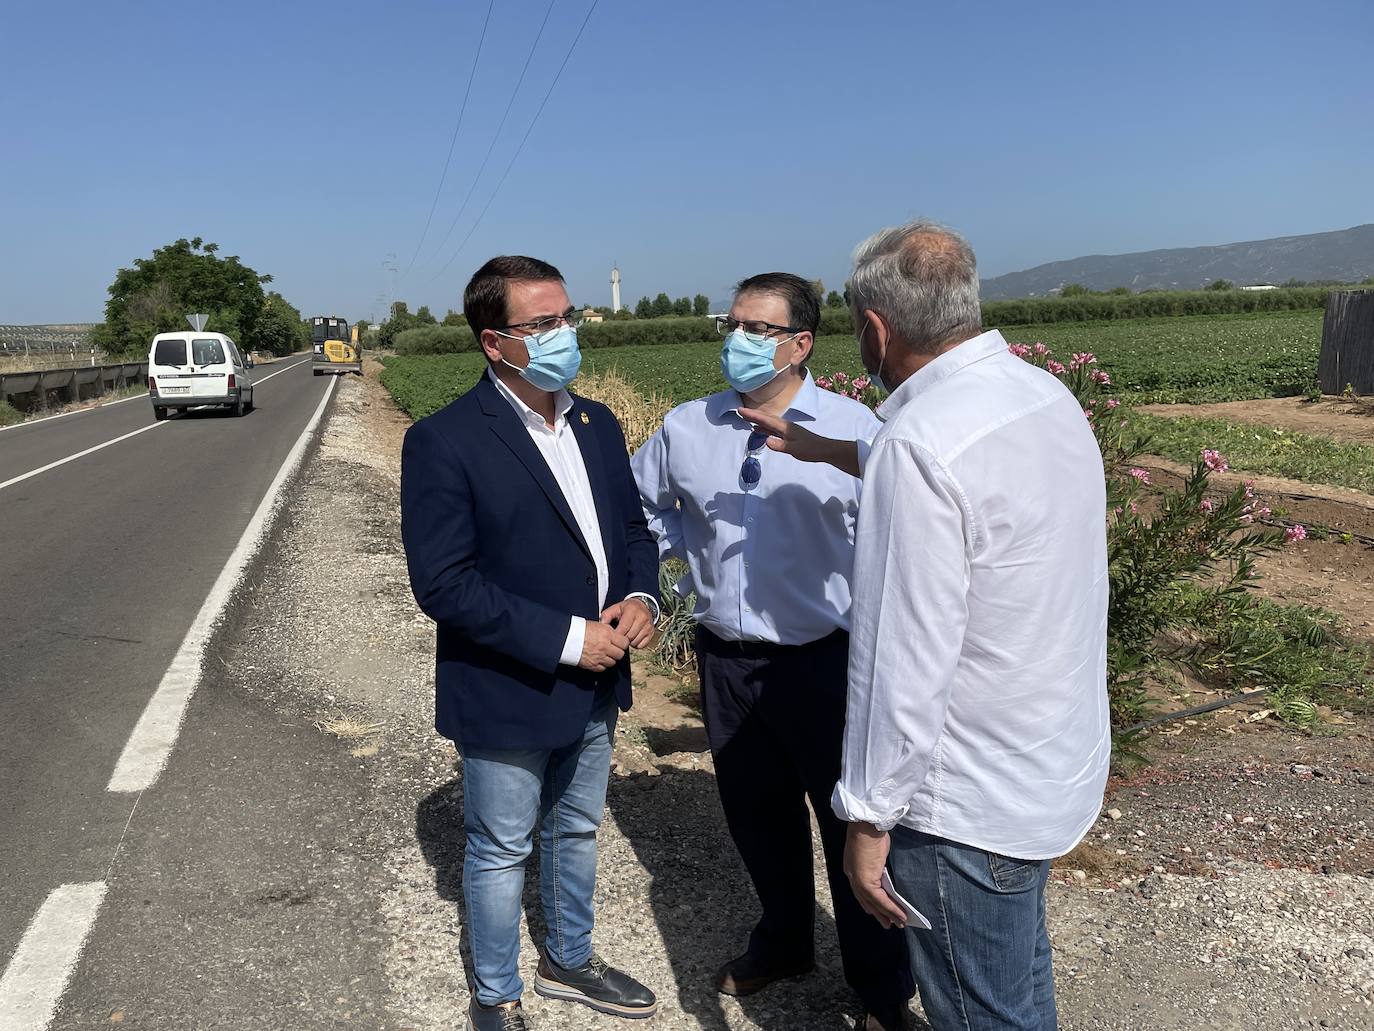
725 325
751 471
572 318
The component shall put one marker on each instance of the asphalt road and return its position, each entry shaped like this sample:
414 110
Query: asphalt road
106 561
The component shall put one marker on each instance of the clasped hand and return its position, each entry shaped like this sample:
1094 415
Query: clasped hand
624 625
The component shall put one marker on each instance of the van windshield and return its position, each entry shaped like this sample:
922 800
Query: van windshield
170 352
206 352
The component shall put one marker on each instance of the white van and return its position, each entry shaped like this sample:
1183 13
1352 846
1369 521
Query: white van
186 370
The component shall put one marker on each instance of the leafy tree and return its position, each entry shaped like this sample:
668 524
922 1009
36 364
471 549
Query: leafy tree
682 306
701 305
644 309
819 287
157 293
424 318
401 320
834 300
454 318
1221 284
1120 291
1074 290
281 330
663 305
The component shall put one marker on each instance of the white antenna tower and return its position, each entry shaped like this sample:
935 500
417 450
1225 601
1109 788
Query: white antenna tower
615 289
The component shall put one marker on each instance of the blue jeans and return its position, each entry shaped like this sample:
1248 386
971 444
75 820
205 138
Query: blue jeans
985 963
505 795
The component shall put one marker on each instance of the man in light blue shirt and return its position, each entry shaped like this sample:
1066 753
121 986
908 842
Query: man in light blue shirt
769 545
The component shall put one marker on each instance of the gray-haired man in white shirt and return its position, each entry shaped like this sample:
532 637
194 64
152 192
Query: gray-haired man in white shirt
977 739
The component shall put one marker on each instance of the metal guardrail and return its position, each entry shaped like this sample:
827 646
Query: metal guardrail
69 385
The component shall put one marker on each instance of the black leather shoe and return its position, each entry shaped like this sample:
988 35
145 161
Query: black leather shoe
505 1017
747 974
900 1020
603 988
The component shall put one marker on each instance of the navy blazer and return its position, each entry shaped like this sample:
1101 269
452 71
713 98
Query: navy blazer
497 561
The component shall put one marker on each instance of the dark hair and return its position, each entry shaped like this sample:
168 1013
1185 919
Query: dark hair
803 303
484 300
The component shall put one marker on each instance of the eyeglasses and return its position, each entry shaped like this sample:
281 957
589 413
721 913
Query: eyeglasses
751 471
725 325
572 318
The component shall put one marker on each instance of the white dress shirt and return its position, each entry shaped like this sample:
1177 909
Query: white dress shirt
769 562
564 457
977 665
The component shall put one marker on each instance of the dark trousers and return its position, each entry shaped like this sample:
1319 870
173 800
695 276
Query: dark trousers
775 722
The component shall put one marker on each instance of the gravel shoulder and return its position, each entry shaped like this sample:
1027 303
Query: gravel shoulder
1229 885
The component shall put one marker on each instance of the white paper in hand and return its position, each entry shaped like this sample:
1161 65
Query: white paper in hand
913 915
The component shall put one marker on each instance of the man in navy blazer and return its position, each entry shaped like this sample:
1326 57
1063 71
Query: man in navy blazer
527 546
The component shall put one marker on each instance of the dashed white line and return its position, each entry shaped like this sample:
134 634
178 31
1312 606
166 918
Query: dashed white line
99 447
153 736
40 968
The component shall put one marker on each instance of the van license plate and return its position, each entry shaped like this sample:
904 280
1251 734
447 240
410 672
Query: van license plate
174 390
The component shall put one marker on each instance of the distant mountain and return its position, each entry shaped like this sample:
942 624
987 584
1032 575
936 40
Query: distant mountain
1346 255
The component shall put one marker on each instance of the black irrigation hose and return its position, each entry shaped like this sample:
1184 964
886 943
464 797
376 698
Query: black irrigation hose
1195 711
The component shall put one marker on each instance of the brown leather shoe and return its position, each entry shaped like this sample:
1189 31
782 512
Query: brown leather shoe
747 974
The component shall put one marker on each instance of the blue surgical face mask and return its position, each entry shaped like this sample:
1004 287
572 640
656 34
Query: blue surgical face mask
554 358
747 360
877 377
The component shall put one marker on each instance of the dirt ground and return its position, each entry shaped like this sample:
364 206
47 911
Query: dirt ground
1229 884
1329 573
1350 421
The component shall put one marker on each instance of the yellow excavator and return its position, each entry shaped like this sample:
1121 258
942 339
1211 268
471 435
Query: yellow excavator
336 347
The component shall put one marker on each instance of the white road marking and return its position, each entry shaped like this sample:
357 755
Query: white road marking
98 447
74 411
111 404
153 736
80 454
40 968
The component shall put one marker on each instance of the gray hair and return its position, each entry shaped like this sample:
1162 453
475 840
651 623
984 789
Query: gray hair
923 279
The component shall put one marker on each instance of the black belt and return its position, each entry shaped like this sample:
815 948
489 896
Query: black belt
714 644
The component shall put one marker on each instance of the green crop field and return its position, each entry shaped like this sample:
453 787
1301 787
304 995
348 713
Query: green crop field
1193 359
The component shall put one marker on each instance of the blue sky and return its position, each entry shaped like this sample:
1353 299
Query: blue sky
693 143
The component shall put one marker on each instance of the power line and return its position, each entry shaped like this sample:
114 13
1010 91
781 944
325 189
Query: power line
510 104
458 125
523 140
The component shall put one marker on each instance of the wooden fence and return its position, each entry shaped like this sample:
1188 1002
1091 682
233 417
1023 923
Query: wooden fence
1347 358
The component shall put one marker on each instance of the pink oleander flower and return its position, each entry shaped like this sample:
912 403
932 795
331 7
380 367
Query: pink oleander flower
840 377
1055 367
1265 512
1207 505
1113 403
823 382
1088 412
1249 488
1101 377
861 383
1214 461
1295 533
1084 358
1041 349
1246 519
1143 475
1135 509
1020 350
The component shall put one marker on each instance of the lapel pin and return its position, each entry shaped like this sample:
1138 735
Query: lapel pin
586 419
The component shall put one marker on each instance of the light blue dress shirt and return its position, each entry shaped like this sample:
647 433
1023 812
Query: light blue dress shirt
771 561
